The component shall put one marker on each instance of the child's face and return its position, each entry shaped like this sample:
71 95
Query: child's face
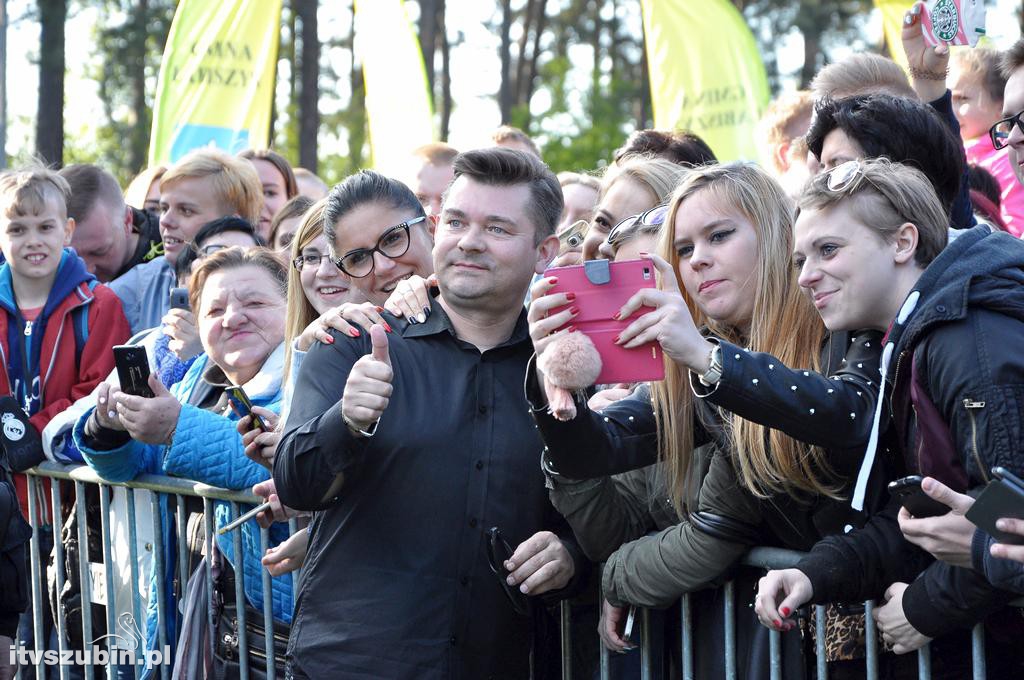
186 205
33 243
972 105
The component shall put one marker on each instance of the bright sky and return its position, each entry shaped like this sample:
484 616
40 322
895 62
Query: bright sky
475 66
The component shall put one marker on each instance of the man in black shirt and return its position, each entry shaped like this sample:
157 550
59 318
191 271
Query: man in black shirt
410 445
110 236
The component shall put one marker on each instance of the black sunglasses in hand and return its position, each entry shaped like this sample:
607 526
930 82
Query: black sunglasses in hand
499 552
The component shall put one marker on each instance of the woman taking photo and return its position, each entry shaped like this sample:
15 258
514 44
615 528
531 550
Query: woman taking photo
725 482
189 430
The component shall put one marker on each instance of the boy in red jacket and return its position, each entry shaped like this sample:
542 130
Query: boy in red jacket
57 324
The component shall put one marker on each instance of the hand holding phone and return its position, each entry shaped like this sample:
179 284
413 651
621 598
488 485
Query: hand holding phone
243 407
179 299
132 365
1003 497
914 499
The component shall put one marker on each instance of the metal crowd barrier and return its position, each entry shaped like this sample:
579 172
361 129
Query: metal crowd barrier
764 558
177 490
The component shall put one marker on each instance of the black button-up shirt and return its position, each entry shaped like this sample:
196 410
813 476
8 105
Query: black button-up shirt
396 581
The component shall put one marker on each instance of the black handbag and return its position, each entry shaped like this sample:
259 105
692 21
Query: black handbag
20 440
227 650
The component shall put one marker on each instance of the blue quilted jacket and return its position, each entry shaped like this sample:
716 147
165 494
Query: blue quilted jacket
206 448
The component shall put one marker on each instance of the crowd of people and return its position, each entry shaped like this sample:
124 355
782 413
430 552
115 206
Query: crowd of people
840 318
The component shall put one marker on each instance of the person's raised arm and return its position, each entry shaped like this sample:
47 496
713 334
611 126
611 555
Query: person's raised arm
340 394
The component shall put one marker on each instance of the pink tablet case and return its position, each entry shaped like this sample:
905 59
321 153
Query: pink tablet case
601 288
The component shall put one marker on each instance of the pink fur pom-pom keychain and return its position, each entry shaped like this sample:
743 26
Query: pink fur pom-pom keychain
569 363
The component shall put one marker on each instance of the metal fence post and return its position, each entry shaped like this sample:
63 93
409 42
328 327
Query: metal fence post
565 625
159 568
730 631
686 624
268 606
35 568
133 571
978 652
243 633
84 570
58 569
820 655
108 575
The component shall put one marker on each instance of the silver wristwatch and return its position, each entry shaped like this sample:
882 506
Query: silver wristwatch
714 373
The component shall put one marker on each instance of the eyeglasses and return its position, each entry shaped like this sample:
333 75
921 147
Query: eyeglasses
394 242
1000 132
309 260
847 177
498 552
206 251
654 217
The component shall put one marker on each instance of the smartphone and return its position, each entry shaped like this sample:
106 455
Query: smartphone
1002 497
179 299
914 499
132 365
243 406
601 288
954 22
627 630
572 237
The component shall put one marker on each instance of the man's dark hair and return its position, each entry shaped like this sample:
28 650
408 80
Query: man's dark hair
1012 59
89 184
678 146
366 186
982 181
183 265
498 166
902 130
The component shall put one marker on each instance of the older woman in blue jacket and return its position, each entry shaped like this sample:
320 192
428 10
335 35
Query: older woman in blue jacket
189 431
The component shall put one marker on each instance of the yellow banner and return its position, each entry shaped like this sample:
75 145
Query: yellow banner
892 12
706 73
398 105
216 83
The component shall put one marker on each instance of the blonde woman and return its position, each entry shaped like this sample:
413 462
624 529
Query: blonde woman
730 318
637 185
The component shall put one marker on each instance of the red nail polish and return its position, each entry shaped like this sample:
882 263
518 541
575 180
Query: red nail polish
616 340
574 310
778 624
785 611
353 332
553 280
615 317
572 329
387 326
570 296
329 340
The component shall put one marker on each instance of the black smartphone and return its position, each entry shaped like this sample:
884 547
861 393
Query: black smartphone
133 370
1002 497
914 499
243 406
179 299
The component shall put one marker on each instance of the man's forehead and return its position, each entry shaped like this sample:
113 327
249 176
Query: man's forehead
477 199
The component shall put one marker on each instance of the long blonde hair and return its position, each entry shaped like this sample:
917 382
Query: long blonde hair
300 312
784 323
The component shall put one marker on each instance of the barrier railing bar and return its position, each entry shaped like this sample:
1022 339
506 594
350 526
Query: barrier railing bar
59 579
605 662
293 526
108 572
924 663
774 655
821 658
183 554
978 652
268 606
687 630
870 641
161 590
243 634
133 570
646 660
85 573
565 614
730 631
210 605
158 483
34 567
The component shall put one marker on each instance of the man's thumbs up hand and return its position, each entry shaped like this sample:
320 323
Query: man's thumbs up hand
368 389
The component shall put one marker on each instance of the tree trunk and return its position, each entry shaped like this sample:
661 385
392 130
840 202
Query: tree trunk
139 143
50 116
3 84
505 88
428 39
522 63
812 49
309 93
645 118
531 73
446 72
